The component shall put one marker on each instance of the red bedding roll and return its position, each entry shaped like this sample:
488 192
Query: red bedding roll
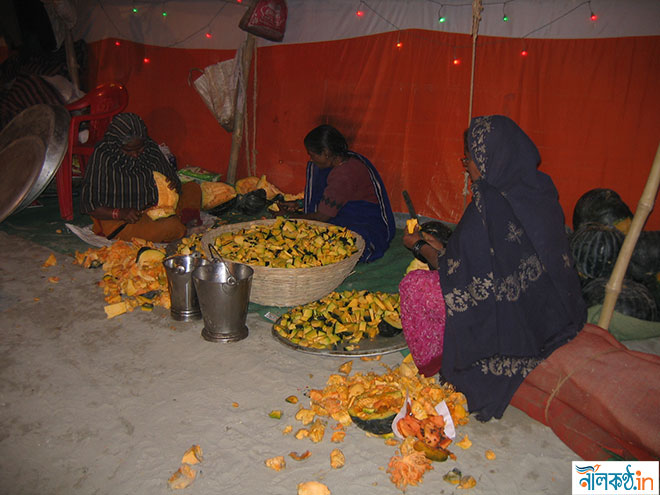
599 397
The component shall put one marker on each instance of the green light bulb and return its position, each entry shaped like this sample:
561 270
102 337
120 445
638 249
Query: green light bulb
135 10
505 18
442 19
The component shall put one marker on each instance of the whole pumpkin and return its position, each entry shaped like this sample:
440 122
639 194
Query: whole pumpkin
595 248
603 206
645 260
634 300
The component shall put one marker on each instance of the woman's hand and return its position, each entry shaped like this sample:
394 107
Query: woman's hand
173 184
433 241
428 251
129 215
409 240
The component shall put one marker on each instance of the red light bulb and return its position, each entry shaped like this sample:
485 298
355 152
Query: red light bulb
117 43
208 35
399 44
359 13
523 53
594 17
457 61
146 60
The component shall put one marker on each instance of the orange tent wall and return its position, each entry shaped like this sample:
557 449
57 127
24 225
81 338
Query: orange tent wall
591 106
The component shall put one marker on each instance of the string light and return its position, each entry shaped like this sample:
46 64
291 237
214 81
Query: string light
441 18
359 12
455 60
593 16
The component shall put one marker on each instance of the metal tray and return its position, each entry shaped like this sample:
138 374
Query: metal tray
50 123
378 346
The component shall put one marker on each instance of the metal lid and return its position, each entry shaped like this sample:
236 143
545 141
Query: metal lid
49 123
21 160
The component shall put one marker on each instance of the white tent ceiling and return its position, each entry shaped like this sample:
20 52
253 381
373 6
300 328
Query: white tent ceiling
187 22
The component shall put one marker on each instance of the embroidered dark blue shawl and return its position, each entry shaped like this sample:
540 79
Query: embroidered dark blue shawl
511 291
373 221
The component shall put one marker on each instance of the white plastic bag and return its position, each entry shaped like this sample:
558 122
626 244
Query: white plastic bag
218 85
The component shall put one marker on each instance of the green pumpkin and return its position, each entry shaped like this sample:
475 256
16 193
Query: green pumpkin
634 300
252 202
603 206
645 260
595 248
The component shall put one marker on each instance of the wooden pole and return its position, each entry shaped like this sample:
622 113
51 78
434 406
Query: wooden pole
644 207
477 7
239 110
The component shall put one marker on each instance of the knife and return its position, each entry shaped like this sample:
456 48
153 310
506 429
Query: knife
112 234
409 204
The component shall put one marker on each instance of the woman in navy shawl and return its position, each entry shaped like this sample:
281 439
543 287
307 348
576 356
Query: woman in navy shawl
511 294
344 188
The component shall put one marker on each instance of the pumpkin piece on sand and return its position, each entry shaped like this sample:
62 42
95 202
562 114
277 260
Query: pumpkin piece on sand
300 457
346 367
182 478
116 309
50 261
193 455
167 199
313 488
408 466
276 463
337 459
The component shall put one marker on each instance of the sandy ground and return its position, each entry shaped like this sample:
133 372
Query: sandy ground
90 405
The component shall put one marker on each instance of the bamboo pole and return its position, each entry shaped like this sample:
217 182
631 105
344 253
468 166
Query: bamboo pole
239 113
477 7
644 207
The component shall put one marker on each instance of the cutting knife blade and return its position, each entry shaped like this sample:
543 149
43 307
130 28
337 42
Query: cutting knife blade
409 204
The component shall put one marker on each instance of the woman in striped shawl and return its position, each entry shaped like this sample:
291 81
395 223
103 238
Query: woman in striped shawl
119 185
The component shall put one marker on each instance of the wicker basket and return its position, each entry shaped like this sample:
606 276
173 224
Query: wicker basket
290 286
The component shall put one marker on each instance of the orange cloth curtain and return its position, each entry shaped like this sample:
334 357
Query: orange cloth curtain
591 106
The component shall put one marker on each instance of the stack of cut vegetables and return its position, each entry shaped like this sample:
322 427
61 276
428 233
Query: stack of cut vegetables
134 275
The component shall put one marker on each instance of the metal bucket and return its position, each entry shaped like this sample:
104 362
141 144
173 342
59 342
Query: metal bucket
223 289
184 303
